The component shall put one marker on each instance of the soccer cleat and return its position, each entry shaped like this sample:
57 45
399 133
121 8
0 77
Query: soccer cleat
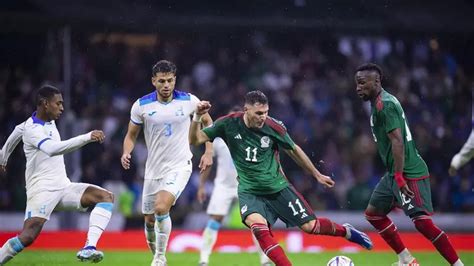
267 264
159 260
90 254
203 264
412 263
358 237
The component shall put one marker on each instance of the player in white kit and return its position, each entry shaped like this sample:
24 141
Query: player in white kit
47 184
465 154
223 196
164 116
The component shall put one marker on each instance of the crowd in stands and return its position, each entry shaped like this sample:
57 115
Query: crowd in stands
309 82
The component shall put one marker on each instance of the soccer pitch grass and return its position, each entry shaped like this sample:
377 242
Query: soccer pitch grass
129 258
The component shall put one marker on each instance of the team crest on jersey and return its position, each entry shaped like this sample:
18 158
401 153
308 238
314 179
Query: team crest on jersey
265 142
179 112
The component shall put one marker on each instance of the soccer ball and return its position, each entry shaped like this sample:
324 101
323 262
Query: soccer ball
340 261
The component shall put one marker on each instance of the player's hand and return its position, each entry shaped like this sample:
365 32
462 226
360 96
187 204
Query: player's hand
201 194
125 160
203 107
3 168
407 191
452 171
206 162
325 180
98 136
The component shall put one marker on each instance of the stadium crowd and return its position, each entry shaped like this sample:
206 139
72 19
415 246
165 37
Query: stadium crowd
310 85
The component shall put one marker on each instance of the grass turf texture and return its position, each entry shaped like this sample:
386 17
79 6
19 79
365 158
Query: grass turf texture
126 258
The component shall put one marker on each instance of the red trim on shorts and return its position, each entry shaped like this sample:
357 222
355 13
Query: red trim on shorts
305 203
414 187
416 178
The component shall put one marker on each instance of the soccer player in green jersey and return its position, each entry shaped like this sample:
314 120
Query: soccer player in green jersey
254 140
406 182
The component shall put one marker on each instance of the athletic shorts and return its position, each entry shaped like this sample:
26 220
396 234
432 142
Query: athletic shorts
43 203
174 182
287 204
387 195
221 200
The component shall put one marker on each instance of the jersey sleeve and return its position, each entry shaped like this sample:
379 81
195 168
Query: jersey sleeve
393 118
216 130
285 141
11 143
135 114
194 101
281 135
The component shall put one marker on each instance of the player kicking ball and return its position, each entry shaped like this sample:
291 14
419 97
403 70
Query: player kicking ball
223 196
47 184
254 140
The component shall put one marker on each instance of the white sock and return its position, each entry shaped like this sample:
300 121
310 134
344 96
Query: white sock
163 230
209 237
458 263
405 256
98 221
150 238
12 247
263 258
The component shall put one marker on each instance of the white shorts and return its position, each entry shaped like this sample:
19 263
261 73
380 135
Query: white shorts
221 200
173 182
43 203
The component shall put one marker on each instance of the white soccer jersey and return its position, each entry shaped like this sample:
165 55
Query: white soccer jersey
45 169
11 143
166 130
226 174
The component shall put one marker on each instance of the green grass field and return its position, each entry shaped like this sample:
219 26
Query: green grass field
128 258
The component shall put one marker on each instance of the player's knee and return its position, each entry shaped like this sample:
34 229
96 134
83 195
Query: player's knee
308 227
149 219
106 196
162 208
255 218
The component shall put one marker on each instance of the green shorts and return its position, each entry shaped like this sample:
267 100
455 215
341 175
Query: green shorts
387 195
287 204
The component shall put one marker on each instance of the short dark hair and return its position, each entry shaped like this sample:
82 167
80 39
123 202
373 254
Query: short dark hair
164 66
45 93
371 67
254 97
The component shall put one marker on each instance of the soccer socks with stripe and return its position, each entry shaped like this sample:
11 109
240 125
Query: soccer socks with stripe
209 238
98 221
263 258
150 237
388 231
12 247
428 229
324 226
163 230
269 246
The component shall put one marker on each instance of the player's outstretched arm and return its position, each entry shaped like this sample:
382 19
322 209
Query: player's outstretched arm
398 152
53 147
196 135
206 159
10 145
300 157
129 143
463 156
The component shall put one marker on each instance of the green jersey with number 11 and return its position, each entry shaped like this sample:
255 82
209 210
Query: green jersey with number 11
255 152
387 114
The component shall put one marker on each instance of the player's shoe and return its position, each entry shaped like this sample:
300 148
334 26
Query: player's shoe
358 237
412 263
159 260
267 264
203 264
90 254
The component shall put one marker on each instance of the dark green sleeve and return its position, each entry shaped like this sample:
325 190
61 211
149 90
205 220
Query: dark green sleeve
216 130
286 142
393 118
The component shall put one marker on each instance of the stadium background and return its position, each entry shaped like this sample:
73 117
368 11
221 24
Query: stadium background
301 53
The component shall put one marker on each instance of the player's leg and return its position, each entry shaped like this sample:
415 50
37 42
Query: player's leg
257 216
169 190
101 200
150 188
209 238
150 234
31 229
419 208
380 204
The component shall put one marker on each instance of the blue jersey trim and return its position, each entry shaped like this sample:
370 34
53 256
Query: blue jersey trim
149 98
105 205
16 244
181 95
213 224
160 218
42 141
36 120
136 123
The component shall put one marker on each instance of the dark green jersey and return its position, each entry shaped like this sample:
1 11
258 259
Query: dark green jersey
387 114
255 152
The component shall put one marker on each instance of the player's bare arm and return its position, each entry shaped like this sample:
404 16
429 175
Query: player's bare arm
129 143
206 159
201 193
396 140
196 135
300 157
